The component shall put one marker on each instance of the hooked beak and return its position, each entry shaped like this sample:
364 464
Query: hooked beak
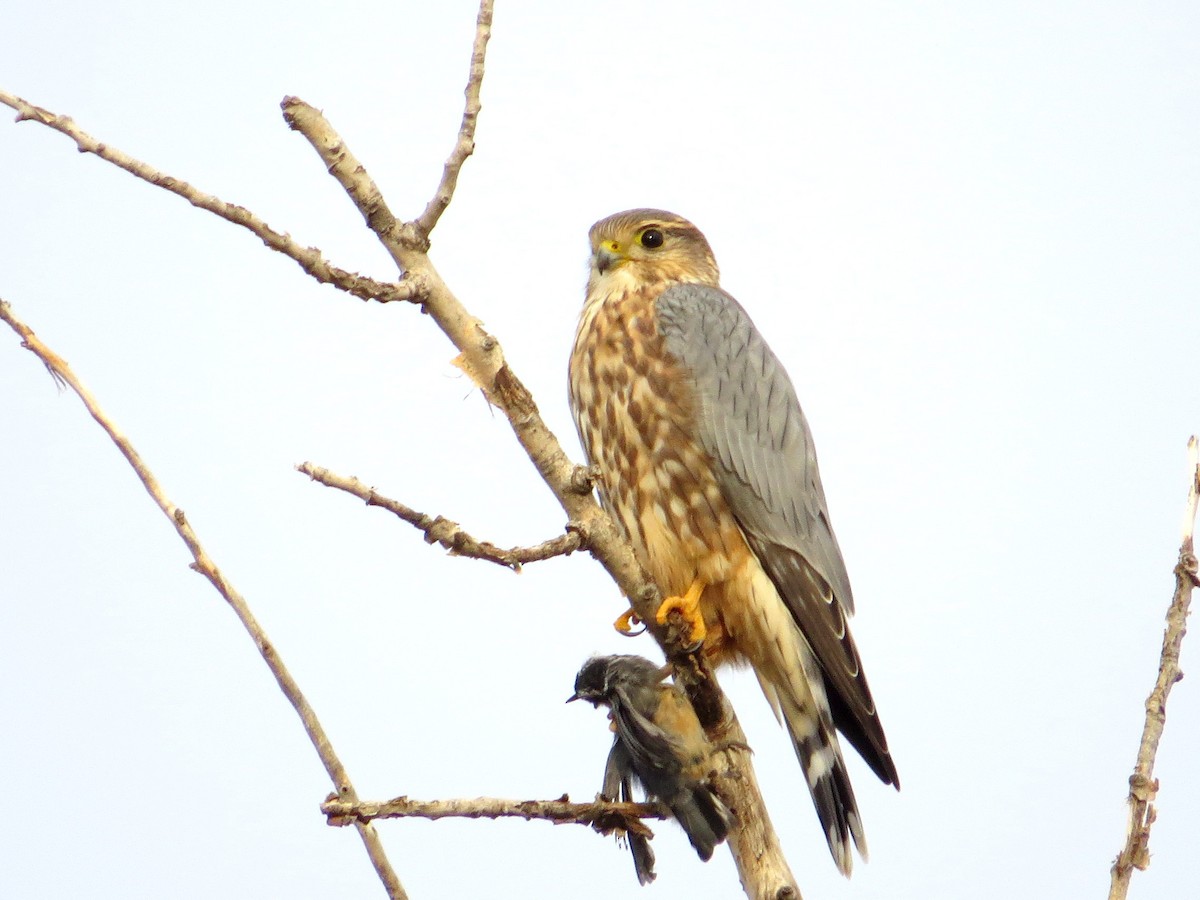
606 258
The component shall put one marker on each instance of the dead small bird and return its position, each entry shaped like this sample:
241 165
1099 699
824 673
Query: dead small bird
659 743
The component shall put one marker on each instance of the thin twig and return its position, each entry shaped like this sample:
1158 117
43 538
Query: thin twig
447 533
1143 786
464 146
309 258
603 815
204 564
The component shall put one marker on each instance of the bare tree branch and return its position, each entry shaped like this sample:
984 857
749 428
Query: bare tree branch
603 815
1143 786
464 146
309 258
762 867
204 564
445 532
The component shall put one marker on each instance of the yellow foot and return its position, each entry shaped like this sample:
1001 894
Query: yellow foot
688 606
627 622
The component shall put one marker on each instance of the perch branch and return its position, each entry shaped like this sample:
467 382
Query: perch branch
1143 786
448 534
464 145
309 258
763 870
204 564
603 815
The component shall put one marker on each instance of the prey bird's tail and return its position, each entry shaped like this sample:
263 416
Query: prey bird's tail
702 814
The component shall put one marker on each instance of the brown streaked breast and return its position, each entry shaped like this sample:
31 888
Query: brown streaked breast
634 406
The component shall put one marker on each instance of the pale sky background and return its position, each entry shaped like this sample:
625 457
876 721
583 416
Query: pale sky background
969 230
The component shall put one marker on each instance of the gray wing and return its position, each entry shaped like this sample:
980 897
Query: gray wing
654 754
750 423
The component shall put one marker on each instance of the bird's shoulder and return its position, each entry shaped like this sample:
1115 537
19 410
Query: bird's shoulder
683 305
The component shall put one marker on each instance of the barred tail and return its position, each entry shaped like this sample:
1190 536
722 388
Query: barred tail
820 756
791 679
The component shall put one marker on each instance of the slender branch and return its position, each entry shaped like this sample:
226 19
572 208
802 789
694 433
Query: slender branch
309 258
350 174
762 867
1143 786
464 146
445 532
603 815
204 564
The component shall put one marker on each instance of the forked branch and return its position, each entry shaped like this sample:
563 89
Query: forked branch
762 867
309 258
763 870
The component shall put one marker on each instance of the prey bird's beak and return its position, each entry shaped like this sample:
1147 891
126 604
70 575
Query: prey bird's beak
605 259
574 696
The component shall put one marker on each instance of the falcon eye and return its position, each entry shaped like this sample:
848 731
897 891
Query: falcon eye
652 238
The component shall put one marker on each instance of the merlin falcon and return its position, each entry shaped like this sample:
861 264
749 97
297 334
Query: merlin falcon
707 463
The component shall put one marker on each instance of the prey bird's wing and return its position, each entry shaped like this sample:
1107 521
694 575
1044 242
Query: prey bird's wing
654 753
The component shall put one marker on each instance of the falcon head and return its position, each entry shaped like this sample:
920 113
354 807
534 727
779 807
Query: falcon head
640 247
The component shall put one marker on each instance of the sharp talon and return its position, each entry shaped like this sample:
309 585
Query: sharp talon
627 622
688 606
